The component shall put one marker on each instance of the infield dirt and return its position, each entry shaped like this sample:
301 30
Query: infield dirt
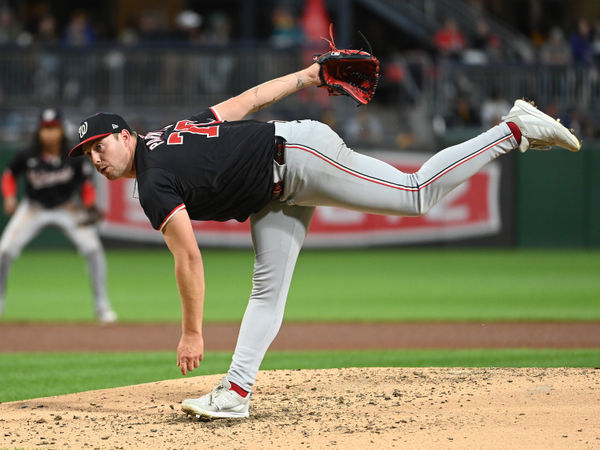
338 408
40 337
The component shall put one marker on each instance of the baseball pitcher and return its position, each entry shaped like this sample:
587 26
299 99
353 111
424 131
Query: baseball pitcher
215 165
59 192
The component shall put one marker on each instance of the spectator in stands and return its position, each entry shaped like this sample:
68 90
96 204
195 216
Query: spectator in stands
78 32
213 71
79 77
493 108
286 31
152 26
555 51
487 43
463 114
581 43
129 34
47 73
364 127
46 30
449 40
11 31
218 29
188 25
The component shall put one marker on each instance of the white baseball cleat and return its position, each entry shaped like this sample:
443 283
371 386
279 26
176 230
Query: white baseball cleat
107 316
540 131
221 403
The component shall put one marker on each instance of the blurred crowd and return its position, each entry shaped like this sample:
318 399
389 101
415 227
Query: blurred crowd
403 77
578 48
558 46
579 45
149 26
80 30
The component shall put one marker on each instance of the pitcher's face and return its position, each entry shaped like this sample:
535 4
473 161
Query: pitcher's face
109 156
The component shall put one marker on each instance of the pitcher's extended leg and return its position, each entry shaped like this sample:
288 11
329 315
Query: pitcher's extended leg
278 232
322 170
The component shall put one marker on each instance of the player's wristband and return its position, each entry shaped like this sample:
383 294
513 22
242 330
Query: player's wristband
9 184
88 194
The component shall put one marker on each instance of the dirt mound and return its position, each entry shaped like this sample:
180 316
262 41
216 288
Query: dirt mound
345 408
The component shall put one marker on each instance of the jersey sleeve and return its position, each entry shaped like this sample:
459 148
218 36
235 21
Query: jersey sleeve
158 196
208 115
18 164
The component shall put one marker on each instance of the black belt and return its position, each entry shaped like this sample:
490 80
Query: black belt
279 154
279 157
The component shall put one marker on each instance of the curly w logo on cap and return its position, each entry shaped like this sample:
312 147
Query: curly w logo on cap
96 127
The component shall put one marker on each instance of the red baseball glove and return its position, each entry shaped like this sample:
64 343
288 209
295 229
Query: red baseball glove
348 72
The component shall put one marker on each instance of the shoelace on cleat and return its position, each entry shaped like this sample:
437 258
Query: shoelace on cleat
216 392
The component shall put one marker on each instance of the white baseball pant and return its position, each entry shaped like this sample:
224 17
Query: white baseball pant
27 222
319 170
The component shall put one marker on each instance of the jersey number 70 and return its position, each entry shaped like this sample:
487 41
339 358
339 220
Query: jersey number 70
186 126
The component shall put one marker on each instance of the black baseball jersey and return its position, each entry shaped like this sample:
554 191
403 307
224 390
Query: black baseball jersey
53 181
216 170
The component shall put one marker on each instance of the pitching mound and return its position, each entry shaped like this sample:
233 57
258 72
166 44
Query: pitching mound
345 408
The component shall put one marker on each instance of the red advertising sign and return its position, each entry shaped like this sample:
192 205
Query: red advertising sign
472 209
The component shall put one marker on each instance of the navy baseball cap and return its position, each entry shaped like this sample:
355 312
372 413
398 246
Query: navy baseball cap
50 117
96 127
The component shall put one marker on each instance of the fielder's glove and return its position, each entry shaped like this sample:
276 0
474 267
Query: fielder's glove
348 72
91 216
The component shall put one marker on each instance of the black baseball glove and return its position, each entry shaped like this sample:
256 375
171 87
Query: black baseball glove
92 215
348 72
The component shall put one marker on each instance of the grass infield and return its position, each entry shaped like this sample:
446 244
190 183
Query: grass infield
349 285
33 375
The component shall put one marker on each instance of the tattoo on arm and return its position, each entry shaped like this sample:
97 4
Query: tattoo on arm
257 105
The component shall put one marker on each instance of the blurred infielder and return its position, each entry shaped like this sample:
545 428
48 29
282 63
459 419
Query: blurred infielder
58 191
216 166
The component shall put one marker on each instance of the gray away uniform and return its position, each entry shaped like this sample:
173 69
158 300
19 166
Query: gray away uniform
227 170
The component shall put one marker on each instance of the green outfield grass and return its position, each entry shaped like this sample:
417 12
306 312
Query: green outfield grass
365 285
33 375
